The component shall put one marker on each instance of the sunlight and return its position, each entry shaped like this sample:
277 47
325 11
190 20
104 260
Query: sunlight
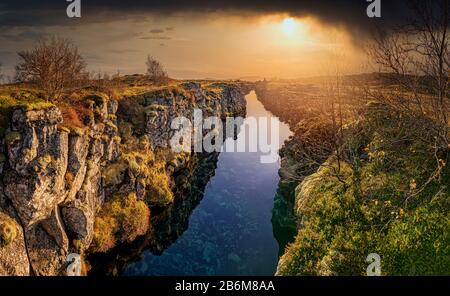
289 26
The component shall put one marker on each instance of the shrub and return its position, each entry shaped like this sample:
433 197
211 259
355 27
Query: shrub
105 228
121 219
134 217
158 189
155 70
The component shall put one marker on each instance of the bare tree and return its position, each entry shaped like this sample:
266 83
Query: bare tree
417 58
155 70
52 65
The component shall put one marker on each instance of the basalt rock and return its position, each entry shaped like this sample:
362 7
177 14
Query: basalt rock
13 254
52 179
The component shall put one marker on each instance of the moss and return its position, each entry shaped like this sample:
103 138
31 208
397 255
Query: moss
15 96
8 231
2 157
12 137
131 112
121 219
29 106
77 131
98 98
419 243
117 139
78 246
104 238
152 113
341 224
111 125
155 107
158 188
63 129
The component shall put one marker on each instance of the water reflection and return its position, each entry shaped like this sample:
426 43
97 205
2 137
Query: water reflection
230 231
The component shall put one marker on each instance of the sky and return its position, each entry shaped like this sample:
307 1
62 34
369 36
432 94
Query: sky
201 39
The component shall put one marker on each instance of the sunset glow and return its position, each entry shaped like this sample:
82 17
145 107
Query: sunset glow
220 46
289 26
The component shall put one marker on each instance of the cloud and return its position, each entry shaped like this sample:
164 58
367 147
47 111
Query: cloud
123 51
349 13
22 35
156 31
155 38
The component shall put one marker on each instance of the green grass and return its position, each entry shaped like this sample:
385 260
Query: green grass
13 97
389 206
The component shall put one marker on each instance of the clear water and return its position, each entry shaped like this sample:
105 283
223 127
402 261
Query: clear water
230 231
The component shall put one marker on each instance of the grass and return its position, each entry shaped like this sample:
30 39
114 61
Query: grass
122 219
387 205
15 96
340 227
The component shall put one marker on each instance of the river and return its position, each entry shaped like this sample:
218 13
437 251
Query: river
230 231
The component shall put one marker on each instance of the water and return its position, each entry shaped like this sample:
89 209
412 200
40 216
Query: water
230 231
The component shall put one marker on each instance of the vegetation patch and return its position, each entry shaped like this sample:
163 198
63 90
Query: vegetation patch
122 219
8 230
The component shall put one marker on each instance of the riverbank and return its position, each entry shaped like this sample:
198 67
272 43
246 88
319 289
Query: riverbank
369 185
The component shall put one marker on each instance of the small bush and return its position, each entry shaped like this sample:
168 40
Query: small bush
105 228
121 219
158 188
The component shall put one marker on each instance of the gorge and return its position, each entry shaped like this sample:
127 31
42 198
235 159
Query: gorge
113 191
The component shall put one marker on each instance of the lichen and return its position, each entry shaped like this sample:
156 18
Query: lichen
8 231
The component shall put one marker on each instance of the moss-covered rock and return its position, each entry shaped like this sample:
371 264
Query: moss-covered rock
121 219
8 231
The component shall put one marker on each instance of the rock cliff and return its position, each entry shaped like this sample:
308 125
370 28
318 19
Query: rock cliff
58 184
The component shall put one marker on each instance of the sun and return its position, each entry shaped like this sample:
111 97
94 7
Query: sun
289 26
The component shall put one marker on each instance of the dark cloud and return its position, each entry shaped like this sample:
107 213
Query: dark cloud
22 35
350 13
